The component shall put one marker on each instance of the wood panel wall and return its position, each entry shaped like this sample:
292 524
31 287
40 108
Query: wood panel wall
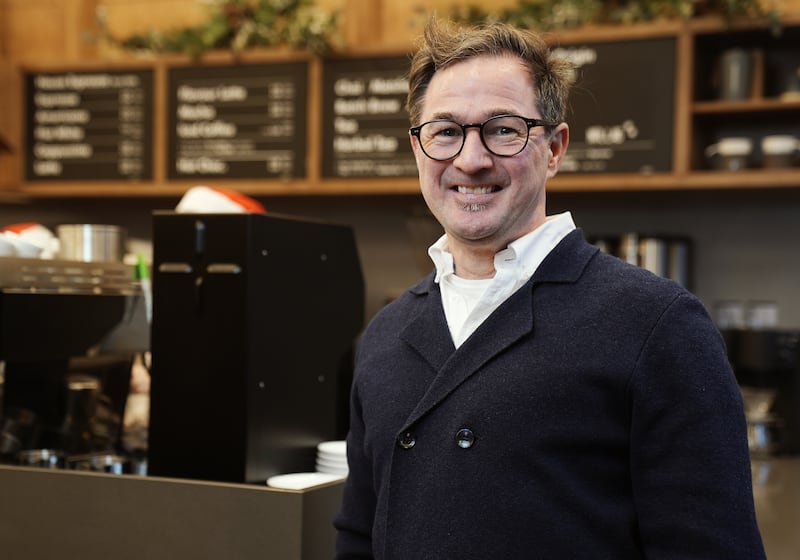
60 31
57 30
41 30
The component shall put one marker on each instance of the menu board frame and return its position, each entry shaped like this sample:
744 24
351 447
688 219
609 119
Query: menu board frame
364 120
616 128
210 105
72 134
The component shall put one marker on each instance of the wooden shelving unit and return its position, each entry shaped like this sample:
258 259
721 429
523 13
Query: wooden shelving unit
699 120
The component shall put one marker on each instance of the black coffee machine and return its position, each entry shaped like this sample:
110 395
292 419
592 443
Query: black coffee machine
68 334
254 321
767 367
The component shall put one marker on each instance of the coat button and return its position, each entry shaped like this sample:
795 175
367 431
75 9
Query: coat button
407 440
465 438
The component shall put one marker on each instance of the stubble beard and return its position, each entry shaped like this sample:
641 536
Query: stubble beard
473 207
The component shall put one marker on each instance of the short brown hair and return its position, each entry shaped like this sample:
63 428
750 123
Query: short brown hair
445 43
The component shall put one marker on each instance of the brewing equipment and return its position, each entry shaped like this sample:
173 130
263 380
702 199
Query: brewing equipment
56 396
254 321
767 368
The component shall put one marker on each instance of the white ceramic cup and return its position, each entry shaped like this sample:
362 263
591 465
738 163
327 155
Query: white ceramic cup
780 150
733 153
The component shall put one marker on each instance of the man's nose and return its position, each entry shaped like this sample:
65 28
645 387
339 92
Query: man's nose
473 153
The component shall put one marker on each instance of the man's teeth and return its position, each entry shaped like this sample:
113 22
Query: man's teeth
474 190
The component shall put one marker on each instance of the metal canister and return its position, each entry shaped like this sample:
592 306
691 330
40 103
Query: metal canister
91 242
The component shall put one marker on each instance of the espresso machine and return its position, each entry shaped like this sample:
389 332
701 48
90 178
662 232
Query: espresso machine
67 339
254 322
767 368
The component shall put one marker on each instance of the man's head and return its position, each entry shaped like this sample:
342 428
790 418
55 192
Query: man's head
488 107
444 44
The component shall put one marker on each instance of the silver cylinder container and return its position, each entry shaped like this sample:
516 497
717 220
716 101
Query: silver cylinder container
91 242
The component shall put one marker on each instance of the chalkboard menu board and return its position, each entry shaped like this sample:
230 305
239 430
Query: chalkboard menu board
245 121
622 108
364 121
89 125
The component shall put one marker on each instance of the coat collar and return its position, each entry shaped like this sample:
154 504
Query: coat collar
429 335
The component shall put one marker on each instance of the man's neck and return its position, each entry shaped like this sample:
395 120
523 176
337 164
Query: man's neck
473 263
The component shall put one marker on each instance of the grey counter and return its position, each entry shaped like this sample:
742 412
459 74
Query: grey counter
67 514
776 489
48 514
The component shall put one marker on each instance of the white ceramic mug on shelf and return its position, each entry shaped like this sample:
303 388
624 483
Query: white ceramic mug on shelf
731 153
780 150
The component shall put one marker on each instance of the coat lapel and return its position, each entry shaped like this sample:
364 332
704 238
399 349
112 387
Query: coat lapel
428 332
453 367
429 335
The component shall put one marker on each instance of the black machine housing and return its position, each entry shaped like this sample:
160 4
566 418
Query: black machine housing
254 322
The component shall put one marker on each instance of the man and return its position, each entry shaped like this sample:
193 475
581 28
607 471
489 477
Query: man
534 398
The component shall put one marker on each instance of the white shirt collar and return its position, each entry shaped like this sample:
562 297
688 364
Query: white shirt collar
523 255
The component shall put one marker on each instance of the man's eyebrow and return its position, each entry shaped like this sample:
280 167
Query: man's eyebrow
443 116
488 115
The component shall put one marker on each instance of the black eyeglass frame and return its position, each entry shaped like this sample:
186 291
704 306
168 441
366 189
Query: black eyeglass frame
531 123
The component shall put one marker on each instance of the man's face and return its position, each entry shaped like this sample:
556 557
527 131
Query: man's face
484 201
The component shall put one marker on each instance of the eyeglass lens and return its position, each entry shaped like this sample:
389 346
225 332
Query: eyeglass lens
503 136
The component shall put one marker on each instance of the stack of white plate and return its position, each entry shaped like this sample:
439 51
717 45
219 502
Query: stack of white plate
332 457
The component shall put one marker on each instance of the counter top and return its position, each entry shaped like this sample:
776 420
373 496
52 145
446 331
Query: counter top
776 490
54 513
149 517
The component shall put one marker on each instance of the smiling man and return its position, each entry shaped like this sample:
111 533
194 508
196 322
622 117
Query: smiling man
533 397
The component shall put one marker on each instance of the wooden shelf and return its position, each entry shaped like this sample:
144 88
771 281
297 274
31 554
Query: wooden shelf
566 182
747 106
699 180
747 179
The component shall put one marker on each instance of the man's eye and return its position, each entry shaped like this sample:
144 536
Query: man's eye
450 132
501 131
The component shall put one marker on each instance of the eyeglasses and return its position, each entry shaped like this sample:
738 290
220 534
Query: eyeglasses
502 135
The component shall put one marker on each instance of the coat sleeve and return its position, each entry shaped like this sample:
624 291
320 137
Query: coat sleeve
689 456
355 518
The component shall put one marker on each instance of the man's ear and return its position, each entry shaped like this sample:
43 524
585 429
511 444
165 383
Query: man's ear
559 140
415 147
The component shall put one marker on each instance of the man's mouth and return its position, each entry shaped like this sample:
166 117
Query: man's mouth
484 189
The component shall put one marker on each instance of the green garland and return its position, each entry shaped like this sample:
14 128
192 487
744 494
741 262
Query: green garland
238 25
560 14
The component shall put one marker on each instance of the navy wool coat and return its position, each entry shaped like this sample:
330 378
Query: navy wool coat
594 415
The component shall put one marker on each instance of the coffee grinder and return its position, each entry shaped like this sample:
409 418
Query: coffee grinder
768 371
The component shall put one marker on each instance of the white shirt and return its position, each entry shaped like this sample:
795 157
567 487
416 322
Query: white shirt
467 303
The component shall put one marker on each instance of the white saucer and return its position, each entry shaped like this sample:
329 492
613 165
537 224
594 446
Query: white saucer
302 480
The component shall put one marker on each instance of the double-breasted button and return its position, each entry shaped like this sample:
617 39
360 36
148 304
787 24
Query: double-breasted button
465 438
407 440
